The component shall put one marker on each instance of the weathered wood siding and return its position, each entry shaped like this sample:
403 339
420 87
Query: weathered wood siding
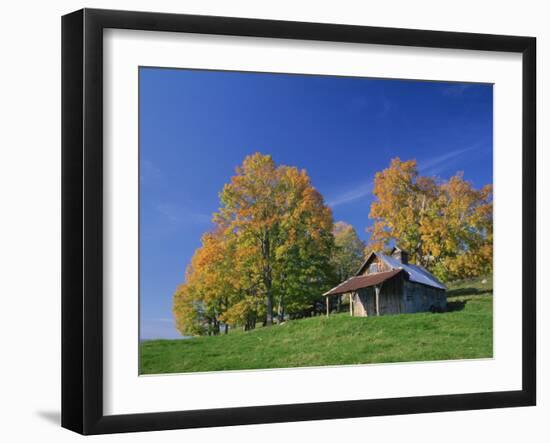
359 309
421 298
398 296
391 296
390 301
370 302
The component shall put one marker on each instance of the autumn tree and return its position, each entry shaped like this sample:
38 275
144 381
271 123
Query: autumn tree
187 310
348 250
445 226
465 247
271 248
200 303
246 303
281 221
304 245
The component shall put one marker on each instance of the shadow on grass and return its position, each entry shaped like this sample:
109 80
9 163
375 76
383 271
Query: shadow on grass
468 291
457 305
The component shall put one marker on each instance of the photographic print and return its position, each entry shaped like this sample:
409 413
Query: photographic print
250 204
291 221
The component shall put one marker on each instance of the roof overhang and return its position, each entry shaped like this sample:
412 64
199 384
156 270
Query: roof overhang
363 281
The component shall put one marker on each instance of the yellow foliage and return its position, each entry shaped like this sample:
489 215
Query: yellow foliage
446 226
272 245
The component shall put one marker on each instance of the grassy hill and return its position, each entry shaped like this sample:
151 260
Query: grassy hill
464 332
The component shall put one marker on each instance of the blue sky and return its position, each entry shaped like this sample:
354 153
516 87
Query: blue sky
197 126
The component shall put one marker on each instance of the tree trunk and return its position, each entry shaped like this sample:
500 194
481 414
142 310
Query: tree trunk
280 311
269 307
267 280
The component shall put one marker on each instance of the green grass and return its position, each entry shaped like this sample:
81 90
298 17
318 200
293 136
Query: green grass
464 332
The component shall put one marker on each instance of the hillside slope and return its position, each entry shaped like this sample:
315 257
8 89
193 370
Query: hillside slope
464 332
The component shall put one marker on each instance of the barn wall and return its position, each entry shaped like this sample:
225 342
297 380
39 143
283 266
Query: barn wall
398 296
421 298
391 296
391 299
364 304
370 303
358 306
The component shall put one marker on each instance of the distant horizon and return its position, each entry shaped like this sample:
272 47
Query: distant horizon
197 126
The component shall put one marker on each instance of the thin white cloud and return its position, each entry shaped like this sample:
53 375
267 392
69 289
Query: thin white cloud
358 192
431 166
438 164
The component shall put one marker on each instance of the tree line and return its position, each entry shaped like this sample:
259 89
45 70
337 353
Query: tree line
275 248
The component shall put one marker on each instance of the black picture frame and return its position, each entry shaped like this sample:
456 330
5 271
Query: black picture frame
82 218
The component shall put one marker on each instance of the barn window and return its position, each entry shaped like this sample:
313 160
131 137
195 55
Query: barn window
409 298
373 268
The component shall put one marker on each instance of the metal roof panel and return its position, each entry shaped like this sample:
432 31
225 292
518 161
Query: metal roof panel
416 273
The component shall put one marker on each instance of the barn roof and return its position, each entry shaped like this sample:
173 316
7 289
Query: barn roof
362 281
416 273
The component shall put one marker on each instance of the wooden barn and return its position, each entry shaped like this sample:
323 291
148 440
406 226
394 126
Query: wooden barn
388 284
